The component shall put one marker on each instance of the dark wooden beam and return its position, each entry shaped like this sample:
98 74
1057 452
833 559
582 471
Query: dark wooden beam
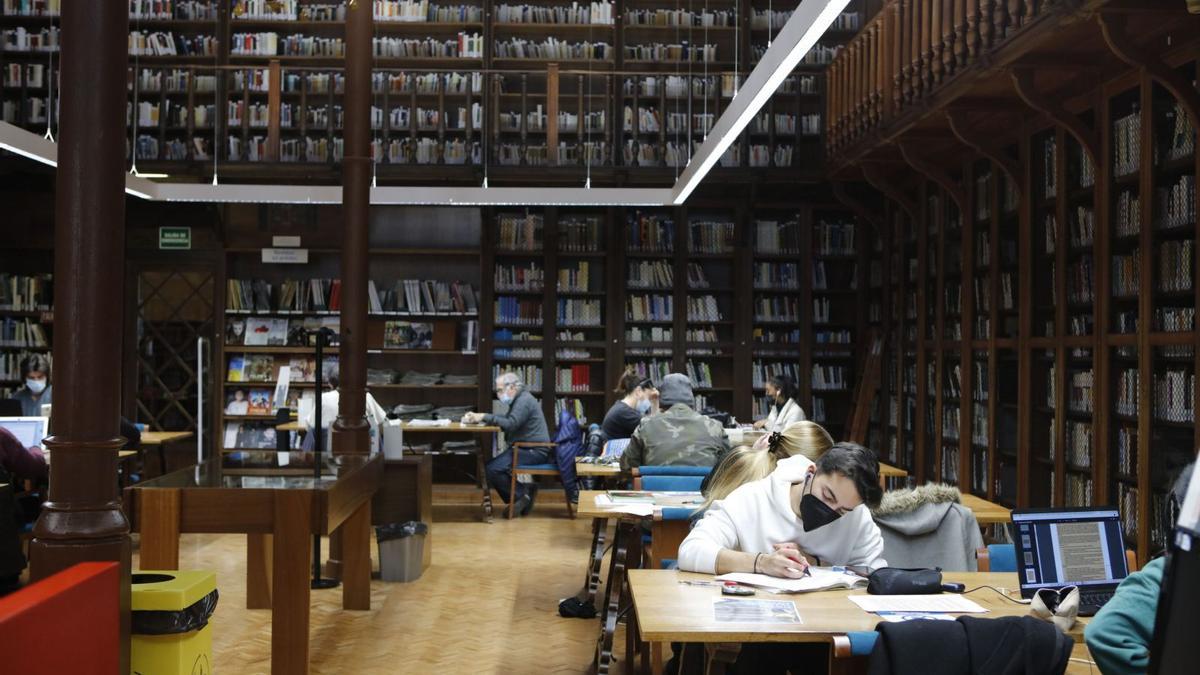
1125 49
962 130
936 174
1027 89
860 209
878 181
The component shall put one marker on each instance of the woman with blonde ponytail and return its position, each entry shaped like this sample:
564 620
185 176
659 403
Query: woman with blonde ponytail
745 464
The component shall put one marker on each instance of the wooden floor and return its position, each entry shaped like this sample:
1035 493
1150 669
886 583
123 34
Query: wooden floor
488 604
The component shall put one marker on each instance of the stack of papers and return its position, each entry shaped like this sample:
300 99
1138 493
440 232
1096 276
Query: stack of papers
941 602
428 423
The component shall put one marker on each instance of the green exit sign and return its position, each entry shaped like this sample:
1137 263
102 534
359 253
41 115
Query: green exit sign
175 238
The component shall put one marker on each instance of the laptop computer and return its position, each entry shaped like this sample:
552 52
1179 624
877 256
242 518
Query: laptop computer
29 430
1072 546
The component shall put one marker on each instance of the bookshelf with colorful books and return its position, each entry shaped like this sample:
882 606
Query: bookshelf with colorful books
577 256
778 333
26 318
706 302
835 328
647 327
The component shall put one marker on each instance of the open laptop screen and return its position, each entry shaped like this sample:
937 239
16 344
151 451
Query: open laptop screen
1069 547
29 430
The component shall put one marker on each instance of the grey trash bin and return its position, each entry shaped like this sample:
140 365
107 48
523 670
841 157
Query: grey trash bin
401 548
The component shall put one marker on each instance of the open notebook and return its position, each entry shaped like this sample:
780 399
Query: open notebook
822 579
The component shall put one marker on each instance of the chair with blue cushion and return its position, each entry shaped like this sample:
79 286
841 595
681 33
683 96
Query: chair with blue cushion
535 470
670 478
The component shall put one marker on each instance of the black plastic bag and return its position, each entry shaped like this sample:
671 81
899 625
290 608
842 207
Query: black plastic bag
400 530
157 622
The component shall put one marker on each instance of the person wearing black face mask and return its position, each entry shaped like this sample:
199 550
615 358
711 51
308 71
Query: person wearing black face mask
801 514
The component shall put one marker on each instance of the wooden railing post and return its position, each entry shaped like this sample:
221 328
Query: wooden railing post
960 30
999 21
913 42
974 38
948 37
899 82
985 23
926 48
552 114
936 67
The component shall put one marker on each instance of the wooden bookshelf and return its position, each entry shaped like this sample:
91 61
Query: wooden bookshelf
26 317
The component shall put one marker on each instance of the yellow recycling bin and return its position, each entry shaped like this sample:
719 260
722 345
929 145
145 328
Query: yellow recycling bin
170 633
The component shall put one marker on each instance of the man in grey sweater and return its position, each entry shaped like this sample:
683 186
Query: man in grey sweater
523 423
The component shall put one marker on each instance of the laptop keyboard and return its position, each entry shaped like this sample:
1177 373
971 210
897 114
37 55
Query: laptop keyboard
1095 598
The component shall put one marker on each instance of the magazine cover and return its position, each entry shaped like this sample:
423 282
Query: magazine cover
237 403
260 368
237 369
235 331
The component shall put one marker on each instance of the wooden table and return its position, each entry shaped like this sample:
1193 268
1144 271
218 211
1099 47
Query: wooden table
665 535
480 468
986 513
667 611
160 440
452 428
597 470
279 515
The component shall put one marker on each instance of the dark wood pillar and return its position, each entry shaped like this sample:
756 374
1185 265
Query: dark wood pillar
82 519
350 431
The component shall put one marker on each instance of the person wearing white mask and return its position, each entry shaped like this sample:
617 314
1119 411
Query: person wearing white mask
782 392
638 399
524 422
35 371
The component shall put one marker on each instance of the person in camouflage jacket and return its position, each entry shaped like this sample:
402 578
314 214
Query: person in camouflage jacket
679 436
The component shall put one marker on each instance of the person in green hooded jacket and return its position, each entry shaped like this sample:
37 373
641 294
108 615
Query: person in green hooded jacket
1119 636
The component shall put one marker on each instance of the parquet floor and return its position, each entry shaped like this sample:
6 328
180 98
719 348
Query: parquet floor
488 604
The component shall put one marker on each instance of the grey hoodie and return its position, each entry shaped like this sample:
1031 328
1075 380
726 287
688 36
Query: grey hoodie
928 527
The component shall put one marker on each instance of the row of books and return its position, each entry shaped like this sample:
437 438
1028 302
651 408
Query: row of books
680 17
764 155
950 423
1177 203
1127 450
655 369
655 274
700 373
1081 281
408 82
22 332
1174 395
530 374
27 293
1127 144
1079 444
536 154
516 277
776 308
596 13
830 377
10 363
650 233
703 308
579 312
265 368
1175 319
780 123
32 75
576 378
647 334
1176 265
777 276
1082 222
832 337
671 53
1081 391
650 308
424 11
572 405
520 233
762 371
775 238
21 39
574 278
287 10
277 332
709 236
1077 490
1128 220
979 424
833 238
167 43
821 310
518 312
462 46
32 7
579 234
413 296
550 48
1126 274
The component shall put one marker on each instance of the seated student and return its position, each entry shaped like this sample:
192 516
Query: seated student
784 409
680 436
802 512
523 423
638 399
15 460
1119 636
35 372
747 464
330 400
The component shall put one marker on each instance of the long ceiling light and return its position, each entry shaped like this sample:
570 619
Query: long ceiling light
802 30
807 24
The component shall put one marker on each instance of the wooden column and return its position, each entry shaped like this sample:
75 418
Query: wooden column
350 430
82 519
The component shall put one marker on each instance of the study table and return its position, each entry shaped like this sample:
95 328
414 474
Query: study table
279 515
665 611
161 440
665 535
986 513
456 428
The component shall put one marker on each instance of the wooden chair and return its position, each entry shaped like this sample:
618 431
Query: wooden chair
550 469
1005 560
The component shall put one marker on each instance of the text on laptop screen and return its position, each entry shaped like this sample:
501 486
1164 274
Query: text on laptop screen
29 430
1065 548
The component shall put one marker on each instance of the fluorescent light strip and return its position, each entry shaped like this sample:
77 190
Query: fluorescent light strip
808 22
806 25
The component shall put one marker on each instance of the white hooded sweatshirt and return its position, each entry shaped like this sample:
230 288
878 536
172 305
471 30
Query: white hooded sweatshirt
759 514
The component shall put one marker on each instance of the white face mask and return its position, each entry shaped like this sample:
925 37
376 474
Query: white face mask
36 386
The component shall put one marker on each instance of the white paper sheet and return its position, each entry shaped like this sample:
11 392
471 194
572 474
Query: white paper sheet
643 510
822 579
941 602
